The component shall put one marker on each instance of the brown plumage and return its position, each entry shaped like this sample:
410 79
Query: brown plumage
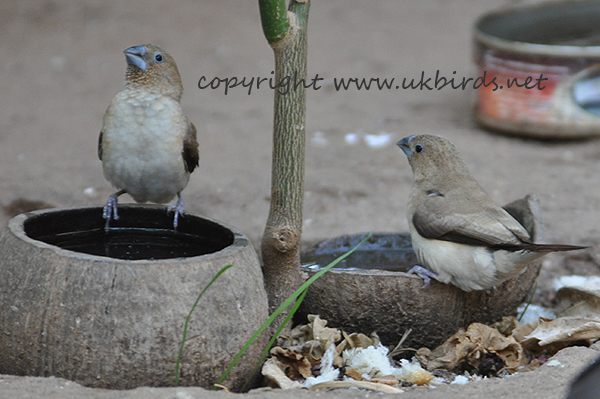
148 148
457 231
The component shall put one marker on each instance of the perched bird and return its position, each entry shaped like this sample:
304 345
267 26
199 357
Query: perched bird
459 235
148 148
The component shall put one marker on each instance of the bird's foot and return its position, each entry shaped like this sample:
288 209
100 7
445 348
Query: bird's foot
425 274
110 210
178 208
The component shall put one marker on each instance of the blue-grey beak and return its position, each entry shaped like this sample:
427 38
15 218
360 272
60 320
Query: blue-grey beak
404 145
135 56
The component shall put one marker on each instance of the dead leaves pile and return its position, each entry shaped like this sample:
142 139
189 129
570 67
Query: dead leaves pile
314 356
577 321
509 346
481 347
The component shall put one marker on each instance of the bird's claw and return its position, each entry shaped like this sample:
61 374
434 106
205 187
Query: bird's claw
425 274
110 210
178 208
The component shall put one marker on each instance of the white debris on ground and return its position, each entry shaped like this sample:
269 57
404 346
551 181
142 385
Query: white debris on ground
460 380
586 282
370 363
380 140
351 138
374 140
555 363
319 139
533 313
328 372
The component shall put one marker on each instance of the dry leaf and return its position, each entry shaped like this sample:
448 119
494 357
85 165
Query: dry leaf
357 340
387 380
578 321
356 384
413 372
506 326
524 330
565 329
531 344
472 347
297 337
581 302
294 364
323 338
272 369
322 333
222 388
355 375
311 340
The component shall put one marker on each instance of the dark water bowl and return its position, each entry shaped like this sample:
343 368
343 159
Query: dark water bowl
382 251
141 232
106 309
370 291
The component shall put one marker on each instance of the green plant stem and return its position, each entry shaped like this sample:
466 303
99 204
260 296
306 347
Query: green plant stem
187 320
287 303
528 302
274 19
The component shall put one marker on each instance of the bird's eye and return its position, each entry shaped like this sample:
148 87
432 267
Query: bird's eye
158 57
419 148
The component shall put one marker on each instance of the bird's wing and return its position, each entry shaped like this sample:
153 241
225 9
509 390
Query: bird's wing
490 226
191 157
100 145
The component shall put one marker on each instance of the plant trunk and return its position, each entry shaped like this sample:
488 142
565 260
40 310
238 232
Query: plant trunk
281 239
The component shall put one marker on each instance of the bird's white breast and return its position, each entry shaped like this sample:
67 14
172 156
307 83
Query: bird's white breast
142 145
469 267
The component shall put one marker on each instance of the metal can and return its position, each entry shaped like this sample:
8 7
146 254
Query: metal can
542 68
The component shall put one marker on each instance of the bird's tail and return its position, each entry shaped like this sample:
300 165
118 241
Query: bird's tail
541 247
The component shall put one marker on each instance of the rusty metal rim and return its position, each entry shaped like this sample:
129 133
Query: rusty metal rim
530 48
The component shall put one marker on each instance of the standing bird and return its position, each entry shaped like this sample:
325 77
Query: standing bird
148 148
457 231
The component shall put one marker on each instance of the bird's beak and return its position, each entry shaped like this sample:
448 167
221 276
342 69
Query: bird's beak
135 56
403 144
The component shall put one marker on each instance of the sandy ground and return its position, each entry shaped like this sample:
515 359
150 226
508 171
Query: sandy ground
62 62
548 382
